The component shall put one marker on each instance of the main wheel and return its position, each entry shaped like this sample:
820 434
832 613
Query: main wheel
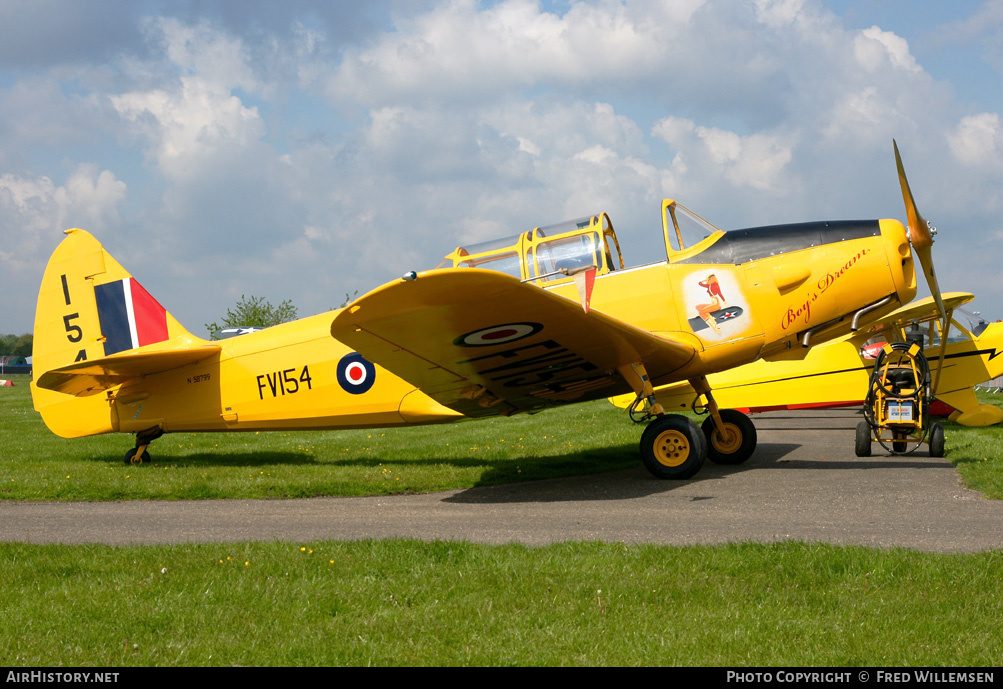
862 447
672 447
739 442
936 440
145 457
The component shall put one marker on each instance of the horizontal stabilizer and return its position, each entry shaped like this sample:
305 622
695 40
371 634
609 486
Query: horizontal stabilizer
87 378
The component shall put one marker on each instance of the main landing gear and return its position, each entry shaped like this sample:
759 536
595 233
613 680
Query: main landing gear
674 447
738 441
139 454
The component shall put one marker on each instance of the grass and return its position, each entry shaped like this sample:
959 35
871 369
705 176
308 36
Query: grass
578 439
400 602
36 465
411 603
977 453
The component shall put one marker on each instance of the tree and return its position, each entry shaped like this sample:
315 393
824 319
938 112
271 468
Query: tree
254 311
348 299
23 345
16 345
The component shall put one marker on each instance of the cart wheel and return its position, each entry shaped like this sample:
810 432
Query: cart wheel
672 447
863 443
936 440
899 446
741 440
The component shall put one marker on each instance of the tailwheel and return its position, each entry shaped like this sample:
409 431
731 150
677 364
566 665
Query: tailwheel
673 447
736 443
138 454
132 457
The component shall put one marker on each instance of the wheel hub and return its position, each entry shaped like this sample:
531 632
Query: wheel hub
729 441
672 448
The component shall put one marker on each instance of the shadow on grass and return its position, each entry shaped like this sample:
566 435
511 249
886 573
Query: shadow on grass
251 458
521 469
497 469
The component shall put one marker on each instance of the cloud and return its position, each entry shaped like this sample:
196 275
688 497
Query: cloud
875 49
35 210
33 214
194 116
461 51
757 161
977 142
330 148
195 121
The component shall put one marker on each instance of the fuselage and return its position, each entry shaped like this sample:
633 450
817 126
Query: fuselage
781 282
733 296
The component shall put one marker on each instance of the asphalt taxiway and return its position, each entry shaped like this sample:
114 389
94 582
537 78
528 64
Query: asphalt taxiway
803 483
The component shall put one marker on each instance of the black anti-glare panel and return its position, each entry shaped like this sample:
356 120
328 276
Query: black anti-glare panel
741 246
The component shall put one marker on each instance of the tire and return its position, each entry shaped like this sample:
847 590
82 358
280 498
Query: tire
130 453
742 443
673 447
862 447
936 440
899 446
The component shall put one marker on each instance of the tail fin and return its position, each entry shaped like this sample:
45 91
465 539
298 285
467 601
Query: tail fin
974 370
91 315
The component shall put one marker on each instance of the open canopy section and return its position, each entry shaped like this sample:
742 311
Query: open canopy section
546 254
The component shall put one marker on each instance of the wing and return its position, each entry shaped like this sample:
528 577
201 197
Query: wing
483 343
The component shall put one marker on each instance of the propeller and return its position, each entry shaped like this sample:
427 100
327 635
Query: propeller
920 235
921 238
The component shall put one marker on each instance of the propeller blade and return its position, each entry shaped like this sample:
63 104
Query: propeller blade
920 237
919 230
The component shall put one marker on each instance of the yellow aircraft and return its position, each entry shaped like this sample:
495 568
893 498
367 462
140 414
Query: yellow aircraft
547 317
836 374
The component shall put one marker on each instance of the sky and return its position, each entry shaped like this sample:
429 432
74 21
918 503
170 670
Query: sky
304 150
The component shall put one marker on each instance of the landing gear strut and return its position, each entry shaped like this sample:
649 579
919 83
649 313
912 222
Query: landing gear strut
138 454
731 436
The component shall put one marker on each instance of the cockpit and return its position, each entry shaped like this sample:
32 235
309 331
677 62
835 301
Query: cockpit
553 253
546 254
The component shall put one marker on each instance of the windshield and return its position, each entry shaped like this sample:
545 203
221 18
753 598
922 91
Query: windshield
683 228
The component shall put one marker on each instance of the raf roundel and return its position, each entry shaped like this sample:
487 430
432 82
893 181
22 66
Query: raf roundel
497 334
355 374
